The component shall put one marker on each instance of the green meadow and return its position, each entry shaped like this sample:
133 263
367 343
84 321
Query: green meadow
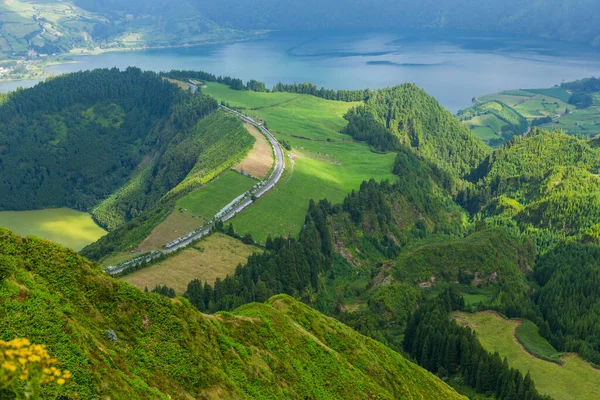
323 162
574 380
246 99
211 198
71 228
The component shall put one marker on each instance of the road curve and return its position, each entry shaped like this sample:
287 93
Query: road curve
228 212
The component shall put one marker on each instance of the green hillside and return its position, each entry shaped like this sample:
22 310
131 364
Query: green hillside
544 184
121 343
496 117
407 114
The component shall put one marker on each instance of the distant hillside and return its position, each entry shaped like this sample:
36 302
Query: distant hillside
118 342
494 122
407 115
48 27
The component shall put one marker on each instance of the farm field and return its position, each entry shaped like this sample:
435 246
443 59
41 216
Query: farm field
259 161
196 208
574 380
539 103
71 228
323 162
528 334
246 99
212 257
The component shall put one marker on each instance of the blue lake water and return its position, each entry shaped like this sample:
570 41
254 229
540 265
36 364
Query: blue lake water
453 67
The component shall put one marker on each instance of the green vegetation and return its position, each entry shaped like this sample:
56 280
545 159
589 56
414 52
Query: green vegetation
495 117
527 333
324 163
576 379
206 201
214 145
122 121
439 344
70 228
246 99
544 185
573 107
489 255
119 342
407 115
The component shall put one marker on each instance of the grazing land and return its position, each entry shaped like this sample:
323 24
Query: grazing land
539 103
196 208
259 161
323 162
71 228
529 336
213 257
575 379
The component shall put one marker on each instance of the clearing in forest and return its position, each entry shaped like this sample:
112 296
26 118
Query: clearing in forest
576 379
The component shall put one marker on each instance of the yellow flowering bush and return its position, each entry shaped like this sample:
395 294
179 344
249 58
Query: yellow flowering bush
25 367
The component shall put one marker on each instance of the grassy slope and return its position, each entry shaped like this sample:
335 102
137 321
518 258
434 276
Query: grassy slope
165 347
322 169
71 228
538 103
215 256
529 336
575 380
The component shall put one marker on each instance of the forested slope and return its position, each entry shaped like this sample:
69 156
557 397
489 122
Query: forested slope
545 185
407 115
121 343
115 146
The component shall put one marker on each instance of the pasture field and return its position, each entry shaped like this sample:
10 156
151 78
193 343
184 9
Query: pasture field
213 257
483 132
282 210
574 380
71 228
246 99
196 208
585 122
541 106
323 162
556 92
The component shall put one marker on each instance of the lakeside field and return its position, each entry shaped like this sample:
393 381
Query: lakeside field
71 228
539 103
323 162
574 380
213 257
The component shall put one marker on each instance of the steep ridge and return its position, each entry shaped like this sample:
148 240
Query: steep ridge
121 343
